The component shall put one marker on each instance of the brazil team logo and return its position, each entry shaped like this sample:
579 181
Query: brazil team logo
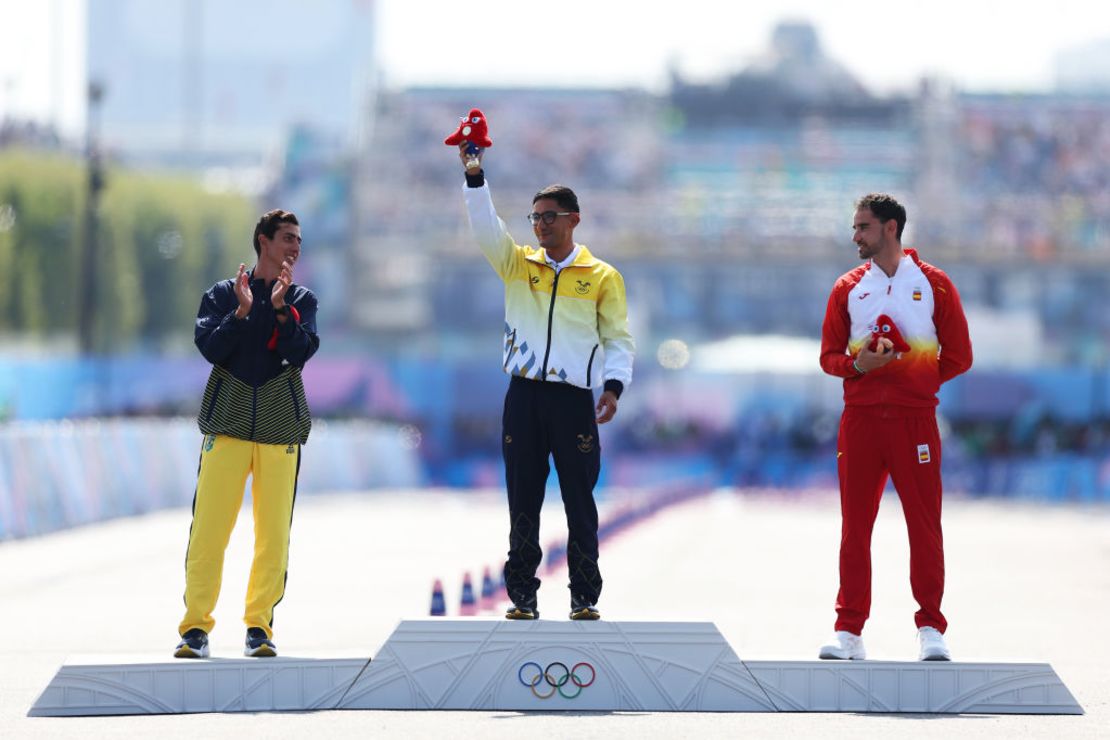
209 442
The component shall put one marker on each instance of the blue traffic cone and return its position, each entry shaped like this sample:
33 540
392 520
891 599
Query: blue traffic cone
468 606
439 606
489 596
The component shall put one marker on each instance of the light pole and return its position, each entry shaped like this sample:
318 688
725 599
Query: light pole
88 280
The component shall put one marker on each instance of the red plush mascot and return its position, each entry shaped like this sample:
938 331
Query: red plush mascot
885 327
474 132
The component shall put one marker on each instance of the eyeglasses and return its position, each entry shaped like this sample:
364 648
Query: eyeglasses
548 217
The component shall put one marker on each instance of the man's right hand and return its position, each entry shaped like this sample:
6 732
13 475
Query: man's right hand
868 360
243 292
463 157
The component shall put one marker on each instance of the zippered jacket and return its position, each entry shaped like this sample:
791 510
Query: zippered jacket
255 391
569 327
923 303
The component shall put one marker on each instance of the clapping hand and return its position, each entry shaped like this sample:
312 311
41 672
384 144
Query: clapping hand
281 285
243 292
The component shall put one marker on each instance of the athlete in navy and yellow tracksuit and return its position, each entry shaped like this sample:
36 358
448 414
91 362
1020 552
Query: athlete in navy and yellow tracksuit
258 330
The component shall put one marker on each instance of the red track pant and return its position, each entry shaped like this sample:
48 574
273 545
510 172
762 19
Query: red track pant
902 442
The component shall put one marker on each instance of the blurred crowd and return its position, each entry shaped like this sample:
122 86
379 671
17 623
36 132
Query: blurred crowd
1032 173
1038 172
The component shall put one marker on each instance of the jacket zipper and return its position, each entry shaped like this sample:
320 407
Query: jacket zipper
550 321
590 367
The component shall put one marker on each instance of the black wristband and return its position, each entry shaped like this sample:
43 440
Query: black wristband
615 386
476 180
283 311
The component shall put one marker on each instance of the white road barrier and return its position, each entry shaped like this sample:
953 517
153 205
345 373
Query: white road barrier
57 475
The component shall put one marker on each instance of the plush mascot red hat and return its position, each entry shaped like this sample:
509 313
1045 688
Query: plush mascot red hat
473 130
885 327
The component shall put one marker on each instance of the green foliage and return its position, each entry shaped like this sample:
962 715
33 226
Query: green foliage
161 241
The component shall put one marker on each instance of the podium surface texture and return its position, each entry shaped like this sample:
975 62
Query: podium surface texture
495 664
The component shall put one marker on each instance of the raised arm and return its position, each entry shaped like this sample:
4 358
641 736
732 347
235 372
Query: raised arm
487 227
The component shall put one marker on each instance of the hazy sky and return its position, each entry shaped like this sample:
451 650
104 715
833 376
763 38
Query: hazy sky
979 44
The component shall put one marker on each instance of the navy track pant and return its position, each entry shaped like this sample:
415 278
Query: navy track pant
542 420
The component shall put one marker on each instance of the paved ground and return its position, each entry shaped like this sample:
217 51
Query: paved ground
1024 583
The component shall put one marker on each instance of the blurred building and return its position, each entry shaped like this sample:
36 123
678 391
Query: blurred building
267 97
792 79
202 83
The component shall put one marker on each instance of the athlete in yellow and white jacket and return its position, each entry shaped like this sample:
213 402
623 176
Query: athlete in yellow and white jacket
568 325
566 332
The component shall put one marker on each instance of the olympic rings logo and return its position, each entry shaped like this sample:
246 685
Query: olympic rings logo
556 677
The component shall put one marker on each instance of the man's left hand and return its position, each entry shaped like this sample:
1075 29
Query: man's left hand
284 280
606 407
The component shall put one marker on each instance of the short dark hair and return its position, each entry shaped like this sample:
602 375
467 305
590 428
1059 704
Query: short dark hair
562 195
270 222
885 207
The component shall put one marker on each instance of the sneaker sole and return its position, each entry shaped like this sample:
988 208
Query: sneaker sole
522 615
187 652
264 651
936 657
826 655
585 615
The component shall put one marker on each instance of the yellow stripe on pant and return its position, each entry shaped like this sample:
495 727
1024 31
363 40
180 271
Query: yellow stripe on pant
225 463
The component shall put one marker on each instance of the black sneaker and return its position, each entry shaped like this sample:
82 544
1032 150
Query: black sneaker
583 609
521 612
258 645
194 644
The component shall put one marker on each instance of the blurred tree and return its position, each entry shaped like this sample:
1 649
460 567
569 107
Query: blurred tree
163 240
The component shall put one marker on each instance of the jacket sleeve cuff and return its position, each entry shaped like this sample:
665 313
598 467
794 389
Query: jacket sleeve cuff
476 180
289 327
615 386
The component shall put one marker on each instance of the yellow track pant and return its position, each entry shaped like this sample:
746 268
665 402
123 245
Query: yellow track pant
225 463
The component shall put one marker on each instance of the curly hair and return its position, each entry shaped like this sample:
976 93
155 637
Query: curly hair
885 207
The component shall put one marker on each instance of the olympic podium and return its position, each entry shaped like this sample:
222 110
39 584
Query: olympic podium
497 665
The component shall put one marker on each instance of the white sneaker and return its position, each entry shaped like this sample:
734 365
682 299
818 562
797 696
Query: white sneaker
843 646
932 645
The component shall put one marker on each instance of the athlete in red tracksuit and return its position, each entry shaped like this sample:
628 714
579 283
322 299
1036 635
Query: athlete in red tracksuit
889 423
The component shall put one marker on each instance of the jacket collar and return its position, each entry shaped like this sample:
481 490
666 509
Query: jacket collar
584 258
906 252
